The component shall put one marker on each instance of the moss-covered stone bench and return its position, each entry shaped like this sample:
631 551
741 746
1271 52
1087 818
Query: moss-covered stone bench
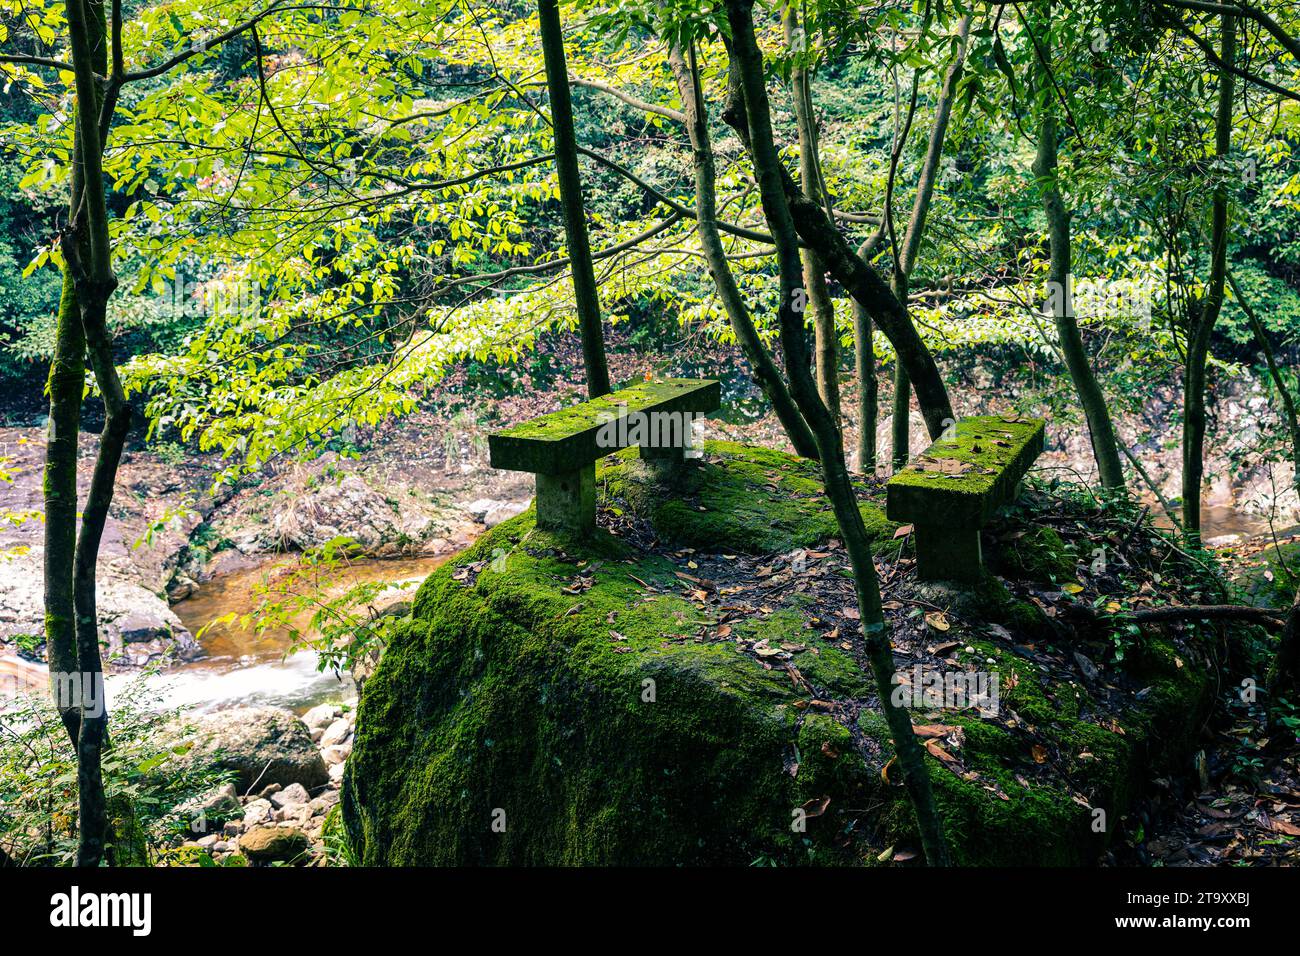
953 488
562 448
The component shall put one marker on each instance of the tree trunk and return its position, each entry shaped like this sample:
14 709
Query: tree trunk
747 62
866 286
1105 448
86 250
1206 313
864 367
826 352
861 281
66 383
901 420
575 217
909 252
761 366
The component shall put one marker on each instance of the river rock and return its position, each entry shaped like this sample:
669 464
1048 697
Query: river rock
348 506
267 844
291 795
336 733
321 716
325 802
217 805
257 812
492 511
261 745
137 624
298 815
336 754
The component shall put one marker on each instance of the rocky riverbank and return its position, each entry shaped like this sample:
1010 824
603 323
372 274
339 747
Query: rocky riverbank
168 534
287 775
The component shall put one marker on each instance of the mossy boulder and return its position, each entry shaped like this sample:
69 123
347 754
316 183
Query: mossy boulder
582 703
274 844
752 500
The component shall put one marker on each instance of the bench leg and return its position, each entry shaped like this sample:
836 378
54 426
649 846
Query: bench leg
567 502
664 463
948 554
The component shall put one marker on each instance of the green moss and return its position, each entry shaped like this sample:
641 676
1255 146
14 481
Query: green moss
1035 554
498 702
755 500
576 708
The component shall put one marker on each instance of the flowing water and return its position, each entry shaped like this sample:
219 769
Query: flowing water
242 667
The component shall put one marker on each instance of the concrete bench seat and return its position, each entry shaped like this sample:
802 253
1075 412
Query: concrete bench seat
562 448
954 487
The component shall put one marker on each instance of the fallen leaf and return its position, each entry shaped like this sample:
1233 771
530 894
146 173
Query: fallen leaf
937 620
933 730
938 751
1039 753
816 806
903 532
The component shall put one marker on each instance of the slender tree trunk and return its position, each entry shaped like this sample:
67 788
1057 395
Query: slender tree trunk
93 737
901 417
826 351
1060 298
747 62
761 366
864 367
866 286
861 281
865 363
87 253
66 383
575 217
1206 314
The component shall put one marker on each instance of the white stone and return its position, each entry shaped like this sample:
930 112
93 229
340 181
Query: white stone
291 795
337 733
336 754
257 812
321 716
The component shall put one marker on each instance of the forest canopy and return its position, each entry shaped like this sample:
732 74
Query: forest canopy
315 217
